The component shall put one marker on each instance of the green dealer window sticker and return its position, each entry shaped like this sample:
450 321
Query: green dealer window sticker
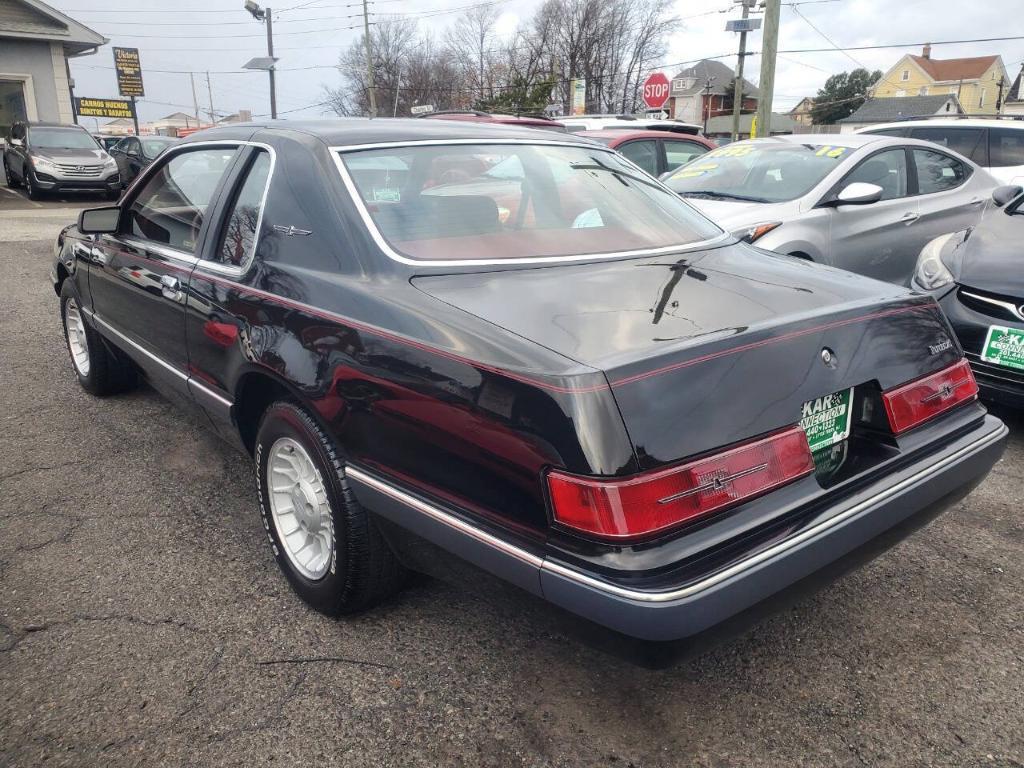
826 420
1004 346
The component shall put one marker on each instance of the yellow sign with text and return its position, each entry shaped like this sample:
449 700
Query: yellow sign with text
104 108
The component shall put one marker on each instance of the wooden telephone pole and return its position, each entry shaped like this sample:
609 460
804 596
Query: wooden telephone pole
769 51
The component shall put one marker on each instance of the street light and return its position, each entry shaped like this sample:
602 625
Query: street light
264 15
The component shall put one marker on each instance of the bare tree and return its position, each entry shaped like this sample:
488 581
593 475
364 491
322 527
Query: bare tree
472 42
613 44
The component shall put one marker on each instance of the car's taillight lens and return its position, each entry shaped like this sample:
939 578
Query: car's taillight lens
914 403
651 502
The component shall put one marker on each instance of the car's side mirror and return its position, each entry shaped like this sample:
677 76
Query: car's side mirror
859 193
17 143
99 221
1006 193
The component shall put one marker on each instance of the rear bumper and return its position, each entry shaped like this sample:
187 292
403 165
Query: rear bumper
920 490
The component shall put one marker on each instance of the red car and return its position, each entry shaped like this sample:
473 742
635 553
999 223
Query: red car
654 151
474 116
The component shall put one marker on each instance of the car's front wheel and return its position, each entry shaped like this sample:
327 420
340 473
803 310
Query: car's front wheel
100 370
31 189
328 546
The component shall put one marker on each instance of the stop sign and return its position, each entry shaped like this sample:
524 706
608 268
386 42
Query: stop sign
656 90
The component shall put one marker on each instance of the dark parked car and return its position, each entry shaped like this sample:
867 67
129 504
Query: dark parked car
49 157
134 153
657 152
977 276
573 381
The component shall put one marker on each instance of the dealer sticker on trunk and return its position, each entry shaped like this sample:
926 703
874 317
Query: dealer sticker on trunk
826 420
1004 346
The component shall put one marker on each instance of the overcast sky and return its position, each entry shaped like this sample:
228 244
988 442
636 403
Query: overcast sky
219 36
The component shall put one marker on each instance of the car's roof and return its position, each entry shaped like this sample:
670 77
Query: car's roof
360 130
851 140
620 134
32 124
980 122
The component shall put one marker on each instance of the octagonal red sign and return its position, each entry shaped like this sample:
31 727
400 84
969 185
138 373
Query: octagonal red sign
656 90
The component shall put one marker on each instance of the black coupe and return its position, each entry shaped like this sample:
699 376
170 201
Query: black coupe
446 341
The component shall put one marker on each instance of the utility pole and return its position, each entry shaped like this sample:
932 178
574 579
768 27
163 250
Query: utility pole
209 92
270 53
195 99
398 88
706 106
369 62
769 50
999 98
737 94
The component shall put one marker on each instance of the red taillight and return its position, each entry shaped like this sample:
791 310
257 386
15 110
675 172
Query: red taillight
912 404
645 504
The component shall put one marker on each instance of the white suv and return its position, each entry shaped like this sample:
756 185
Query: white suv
997 145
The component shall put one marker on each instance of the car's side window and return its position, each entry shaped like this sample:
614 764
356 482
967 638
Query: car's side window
170 207
886 169
937 172
1006 147
643 153
966 141
132 147
681 152
240 230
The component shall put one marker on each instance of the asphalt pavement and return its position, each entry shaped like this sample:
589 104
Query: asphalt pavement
143 621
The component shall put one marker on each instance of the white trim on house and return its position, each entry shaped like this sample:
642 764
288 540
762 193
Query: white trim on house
27 90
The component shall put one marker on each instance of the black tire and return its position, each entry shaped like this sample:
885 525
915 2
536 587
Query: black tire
364 571
108 371
31 190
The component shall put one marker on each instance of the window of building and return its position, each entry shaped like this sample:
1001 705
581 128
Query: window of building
906 75
922 91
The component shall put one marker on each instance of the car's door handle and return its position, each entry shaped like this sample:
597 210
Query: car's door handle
170 288
910 218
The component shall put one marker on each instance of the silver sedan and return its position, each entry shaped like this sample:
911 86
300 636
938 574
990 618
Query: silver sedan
864 203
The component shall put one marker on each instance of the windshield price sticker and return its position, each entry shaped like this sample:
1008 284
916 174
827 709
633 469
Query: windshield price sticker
740 150
1004 346
826 420
830 151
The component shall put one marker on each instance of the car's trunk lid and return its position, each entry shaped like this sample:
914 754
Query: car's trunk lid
706 349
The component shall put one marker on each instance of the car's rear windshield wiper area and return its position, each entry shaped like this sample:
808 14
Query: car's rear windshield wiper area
724 196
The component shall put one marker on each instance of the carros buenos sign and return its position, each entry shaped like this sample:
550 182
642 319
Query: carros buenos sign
656 88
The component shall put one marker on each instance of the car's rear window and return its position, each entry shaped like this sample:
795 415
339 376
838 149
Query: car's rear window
517 201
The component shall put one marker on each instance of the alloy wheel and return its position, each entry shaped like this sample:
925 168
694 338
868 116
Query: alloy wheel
76 337
299 506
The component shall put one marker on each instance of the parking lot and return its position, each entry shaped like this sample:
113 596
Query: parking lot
143 620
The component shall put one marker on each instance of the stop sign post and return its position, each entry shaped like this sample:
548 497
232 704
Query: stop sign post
656 90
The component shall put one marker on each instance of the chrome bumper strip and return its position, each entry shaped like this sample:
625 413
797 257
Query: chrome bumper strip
444 517
545 564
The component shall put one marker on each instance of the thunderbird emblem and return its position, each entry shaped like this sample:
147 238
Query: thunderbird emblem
291 231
